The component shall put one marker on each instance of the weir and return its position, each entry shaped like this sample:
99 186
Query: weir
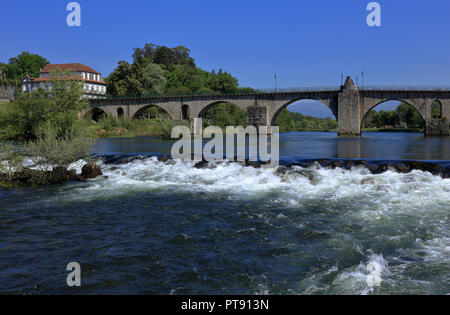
349 104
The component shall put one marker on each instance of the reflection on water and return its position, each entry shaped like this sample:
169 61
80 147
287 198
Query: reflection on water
372 145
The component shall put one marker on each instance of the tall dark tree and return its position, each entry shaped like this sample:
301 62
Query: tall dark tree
27 64
222 82
126 80
145 54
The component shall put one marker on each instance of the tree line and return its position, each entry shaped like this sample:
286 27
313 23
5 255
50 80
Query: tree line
404 116
159 70
19 67
290 121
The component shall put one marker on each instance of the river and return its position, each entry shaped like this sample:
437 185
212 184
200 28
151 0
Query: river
170 228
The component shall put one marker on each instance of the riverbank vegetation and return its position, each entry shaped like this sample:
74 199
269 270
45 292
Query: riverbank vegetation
109 127
291 121
403 117
42 129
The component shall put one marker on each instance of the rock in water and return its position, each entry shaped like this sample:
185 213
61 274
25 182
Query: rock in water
91 170
59 175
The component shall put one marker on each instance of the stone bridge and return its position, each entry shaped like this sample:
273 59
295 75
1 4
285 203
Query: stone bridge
349 105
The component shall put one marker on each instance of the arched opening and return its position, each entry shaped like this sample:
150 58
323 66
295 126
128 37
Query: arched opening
151 112
392 115
436 109
96 114
120 112
222 114
185 112
305 115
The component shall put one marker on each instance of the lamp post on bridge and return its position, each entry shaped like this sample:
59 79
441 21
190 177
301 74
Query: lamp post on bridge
275 77
362 78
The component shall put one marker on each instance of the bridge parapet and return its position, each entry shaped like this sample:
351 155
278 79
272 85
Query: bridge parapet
349 103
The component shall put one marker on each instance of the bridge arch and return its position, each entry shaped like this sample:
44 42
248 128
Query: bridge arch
96 114
206 108
185 112
326 103
120 112
436 109
233 114
140 111
410 104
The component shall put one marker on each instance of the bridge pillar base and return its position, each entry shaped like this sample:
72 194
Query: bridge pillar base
257 116
437 127
347 134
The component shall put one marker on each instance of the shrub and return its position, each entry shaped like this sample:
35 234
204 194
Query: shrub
57 104
49 150
167 127
11 159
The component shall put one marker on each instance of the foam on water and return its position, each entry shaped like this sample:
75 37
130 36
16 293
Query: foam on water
386 210
389 187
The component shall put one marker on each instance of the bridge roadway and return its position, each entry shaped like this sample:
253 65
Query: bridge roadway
348 103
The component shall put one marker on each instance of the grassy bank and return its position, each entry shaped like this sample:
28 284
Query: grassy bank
314 130
417 130
108 127
112 128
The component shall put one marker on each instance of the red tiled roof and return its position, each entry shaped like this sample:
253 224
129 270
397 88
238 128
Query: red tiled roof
68 66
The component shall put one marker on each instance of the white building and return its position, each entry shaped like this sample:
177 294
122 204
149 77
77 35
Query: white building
94 85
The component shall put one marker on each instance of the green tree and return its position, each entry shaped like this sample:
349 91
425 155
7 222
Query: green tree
163 55
26 64
145 54
3 72
182 76
223 115
126 80
153 79
222 82
371 120
285 121
55 105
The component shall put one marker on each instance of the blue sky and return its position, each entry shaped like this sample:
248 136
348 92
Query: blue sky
307 43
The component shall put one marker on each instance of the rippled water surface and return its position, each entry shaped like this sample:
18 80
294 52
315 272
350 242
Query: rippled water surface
373 145
155 228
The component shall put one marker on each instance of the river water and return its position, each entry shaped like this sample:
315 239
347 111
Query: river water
159 228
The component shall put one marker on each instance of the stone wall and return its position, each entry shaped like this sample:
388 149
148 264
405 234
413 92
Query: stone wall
257 116
6 92
437 127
